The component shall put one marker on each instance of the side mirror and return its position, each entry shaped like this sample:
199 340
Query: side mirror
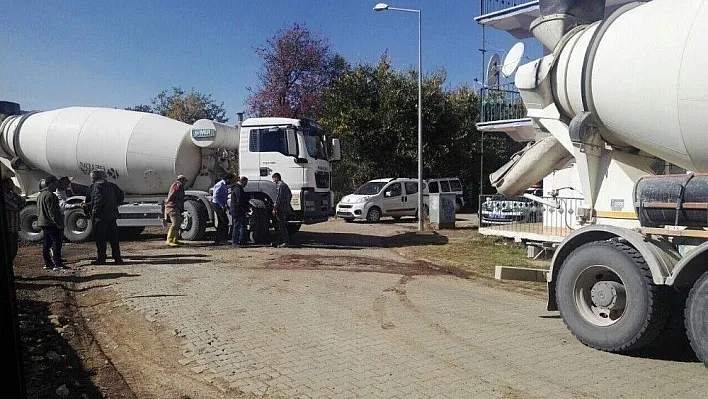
291 139
336 150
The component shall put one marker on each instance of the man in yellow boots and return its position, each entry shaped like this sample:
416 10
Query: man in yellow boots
174 206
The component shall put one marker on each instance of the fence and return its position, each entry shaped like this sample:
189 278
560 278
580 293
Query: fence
489 6
522 215
501 103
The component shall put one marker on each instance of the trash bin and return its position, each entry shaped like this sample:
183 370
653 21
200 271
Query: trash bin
442 210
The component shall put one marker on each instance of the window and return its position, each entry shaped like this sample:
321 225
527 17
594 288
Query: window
445 186
411 187
394 190
433 187
370 188
315 146
267 140
455 185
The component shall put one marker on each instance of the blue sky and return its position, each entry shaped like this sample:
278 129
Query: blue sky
121 53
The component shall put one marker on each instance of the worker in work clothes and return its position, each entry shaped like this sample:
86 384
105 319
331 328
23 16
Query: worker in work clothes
281 209
174 206
219 197
102 201
63 192
51 222
239 210
13 204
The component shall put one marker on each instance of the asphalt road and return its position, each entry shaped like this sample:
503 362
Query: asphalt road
343 318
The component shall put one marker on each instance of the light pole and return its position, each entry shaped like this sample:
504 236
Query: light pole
383 7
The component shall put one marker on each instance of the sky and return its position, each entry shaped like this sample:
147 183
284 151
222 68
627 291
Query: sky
121 53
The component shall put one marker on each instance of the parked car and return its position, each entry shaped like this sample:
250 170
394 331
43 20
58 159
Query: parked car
394 197
501 210
448 185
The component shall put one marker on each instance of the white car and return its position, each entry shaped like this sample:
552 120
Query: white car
395 197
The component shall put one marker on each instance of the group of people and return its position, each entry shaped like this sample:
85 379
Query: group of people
101 206
239 208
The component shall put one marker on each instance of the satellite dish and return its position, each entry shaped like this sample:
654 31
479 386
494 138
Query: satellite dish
493 71
513 59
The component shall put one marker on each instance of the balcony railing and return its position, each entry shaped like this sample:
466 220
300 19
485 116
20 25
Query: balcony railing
502 103
522 215
490 6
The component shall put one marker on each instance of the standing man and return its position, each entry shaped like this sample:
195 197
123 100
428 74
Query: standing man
102 201
239 210
63 192
219 196
13 204
281 209
174 206
50 219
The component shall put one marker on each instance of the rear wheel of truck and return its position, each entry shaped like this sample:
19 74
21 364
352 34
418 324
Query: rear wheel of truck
259 222
607 298
697 318
195 216
29 226
77 226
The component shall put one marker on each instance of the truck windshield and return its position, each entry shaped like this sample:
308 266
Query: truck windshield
370 188
315 143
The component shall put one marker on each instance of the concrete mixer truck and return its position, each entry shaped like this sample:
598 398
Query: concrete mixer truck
143 153
617 94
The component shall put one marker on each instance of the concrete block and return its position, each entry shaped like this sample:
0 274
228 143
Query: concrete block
520 273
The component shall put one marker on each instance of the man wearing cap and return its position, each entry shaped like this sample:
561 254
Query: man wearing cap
102 201
174 206
50 220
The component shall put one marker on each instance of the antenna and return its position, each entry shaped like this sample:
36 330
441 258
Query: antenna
513 59
493 71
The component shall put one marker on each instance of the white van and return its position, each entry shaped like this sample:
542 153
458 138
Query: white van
448 185
394 197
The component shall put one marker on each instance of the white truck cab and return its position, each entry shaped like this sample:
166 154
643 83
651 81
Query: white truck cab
394 197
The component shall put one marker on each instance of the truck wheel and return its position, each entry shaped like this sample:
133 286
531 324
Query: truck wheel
130 232
195 217
259 222
29 228
607 299
697 318
77 226
374 215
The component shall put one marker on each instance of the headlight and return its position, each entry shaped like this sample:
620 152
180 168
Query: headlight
362 199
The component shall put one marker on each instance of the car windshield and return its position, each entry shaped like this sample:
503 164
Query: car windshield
370 188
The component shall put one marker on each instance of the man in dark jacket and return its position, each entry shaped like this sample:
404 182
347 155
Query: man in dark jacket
239 212
281 209
50 219
102 201
13 205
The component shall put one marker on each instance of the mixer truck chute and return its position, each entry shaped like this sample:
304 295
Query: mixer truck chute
619 95
143 153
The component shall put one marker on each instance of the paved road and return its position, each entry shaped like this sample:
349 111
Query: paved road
339 323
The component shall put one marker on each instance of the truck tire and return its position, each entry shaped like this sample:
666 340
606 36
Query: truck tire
195 216
77 226
294 228
29 228
374 215
607 298
130 232
259 222
697 318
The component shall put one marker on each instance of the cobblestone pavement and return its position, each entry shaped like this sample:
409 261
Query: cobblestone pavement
341 323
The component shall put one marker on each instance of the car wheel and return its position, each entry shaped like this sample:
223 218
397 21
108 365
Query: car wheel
374 215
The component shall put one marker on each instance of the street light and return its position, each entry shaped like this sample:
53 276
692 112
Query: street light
384 7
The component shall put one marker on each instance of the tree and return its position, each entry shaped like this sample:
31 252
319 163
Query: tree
185 107
297 69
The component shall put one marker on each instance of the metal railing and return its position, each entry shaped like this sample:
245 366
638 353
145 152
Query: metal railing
489 6
520 214
501 103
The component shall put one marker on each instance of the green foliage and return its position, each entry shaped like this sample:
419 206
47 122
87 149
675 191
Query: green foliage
186 107
373 109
